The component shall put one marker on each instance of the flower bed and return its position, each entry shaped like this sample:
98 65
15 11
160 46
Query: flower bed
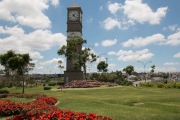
86 84
41 109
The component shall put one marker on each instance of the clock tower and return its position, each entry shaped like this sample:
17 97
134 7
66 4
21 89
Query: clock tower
74 30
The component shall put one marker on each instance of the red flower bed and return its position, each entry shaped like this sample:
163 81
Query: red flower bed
42 109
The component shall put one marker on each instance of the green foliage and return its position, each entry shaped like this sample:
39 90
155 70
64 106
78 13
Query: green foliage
60 83
160 84
178 85
129 69
102 66
126 83
73 51
147 84
153 68
47 88
4 91
52 84
170 84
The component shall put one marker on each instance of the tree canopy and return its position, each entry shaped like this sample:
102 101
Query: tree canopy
20 63
102 66
129 69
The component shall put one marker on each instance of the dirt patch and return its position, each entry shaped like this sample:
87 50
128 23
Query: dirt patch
136 104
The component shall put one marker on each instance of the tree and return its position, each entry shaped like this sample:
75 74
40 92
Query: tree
21 63
82 58
79 57
102 66
152 68
119 76
60 65
3 61
16 63
129 69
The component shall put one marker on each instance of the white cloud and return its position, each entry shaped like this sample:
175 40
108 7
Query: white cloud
101 8
109 42
141 12
90 20
134 56
111 67
177 55
55 2
24 43
110 23
171 27
26 12
53 61
35 55
111 53
173 39
114 7
96 44
171 63
178 29
139 42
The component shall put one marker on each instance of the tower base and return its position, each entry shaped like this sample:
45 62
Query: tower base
72 75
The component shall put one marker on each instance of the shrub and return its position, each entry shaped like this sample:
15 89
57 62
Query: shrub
4 91
142 84
47 88
52 84
178 85
160 84
149 84
129 83
172 84
60 82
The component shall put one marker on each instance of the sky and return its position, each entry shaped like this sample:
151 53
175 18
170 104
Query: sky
122 32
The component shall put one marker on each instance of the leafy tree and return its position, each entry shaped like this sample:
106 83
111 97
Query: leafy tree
82 58
79 57
60 65
3 61
102 66
21 63
129 69
16 63
119 76
152 68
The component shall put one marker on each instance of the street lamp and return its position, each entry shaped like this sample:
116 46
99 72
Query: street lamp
144 64
50 69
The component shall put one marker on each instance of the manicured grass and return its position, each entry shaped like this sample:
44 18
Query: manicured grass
14 99
117 102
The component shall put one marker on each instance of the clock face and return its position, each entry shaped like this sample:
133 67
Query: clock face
73 15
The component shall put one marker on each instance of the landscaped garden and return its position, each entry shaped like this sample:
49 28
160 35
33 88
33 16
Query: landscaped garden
119 102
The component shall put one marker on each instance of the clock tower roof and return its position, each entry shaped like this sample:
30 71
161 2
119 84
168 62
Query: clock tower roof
74 5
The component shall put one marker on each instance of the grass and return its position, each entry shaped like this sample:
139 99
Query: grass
14 99
125 103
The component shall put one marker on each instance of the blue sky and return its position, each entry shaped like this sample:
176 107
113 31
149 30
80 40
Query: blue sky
123 31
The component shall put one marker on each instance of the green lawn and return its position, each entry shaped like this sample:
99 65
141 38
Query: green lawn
118 102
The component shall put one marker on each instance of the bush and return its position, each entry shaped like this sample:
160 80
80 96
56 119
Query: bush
4 91
52 84
178 85
149 84
160 84
60 83
47 88
142 84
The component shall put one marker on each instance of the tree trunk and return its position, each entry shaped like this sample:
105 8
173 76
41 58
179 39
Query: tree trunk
22 84
85 72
